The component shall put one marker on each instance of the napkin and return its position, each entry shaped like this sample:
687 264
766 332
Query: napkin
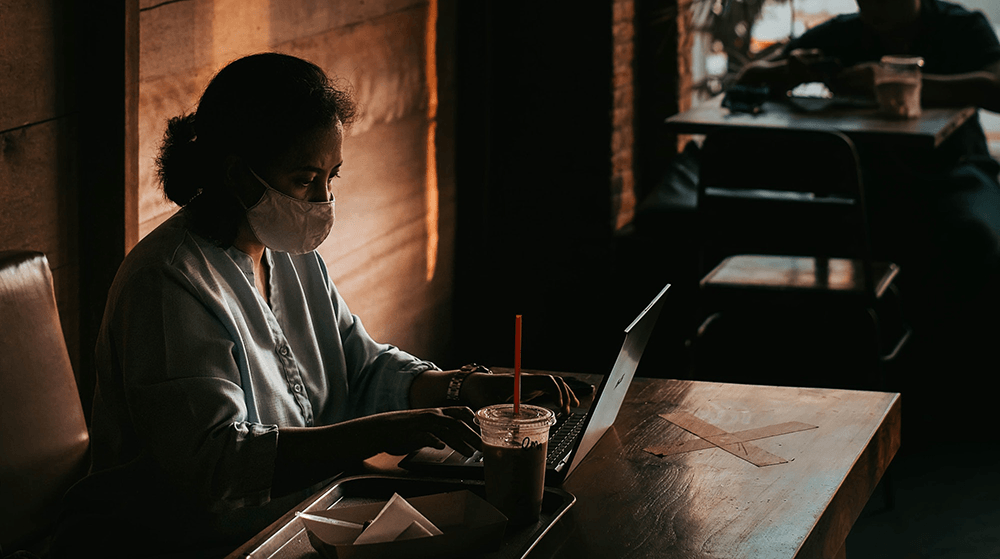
397 520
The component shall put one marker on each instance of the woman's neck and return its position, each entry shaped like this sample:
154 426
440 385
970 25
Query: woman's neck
247 242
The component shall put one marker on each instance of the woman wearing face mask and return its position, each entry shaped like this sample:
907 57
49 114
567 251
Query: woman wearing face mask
232 378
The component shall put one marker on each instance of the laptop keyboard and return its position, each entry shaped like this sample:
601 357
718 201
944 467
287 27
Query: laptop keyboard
567 428
561 439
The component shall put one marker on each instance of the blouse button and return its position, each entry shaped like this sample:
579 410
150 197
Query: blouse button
283 350
297 388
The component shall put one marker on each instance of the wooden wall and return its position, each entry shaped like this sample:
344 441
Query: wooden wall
68 79
38 136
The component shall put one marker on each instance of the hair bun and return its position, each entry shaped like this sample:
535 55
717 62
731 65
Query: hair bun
179 163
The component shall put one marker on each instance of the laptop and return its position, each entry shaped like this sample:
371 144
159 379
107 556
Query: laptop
574 434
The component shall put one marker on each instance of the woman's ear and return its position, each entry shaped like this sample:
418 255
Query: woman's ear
239 180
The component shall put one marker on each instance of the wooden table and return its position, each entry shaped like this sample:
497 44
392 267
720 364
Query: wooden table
709 503
860 124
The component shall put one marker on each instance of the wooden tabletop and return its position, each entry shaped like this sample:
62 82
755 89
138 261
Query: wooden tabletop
711 503
928 131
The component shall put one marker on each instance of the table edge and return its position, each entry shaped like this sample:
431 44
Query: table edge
829 533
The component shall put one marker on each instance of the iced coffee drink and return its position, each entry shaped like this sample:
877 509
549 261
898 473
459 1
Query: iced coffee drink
514 450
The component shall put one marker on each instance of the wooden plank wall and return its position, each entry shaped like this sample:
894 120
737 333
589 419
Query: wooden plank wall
38 135
66 131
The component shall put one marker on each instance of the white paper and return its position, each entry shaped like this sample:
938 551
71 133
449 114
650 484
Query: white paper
395 518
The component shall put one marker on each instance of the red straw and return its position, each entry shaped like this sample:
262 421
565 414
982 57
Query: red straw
517 365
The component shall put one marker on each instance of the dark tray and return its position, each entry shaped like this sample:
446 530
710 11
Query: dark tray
291 540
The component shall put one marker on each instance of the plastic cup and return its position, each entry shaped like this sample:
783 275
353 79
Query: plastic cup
514 450
897 86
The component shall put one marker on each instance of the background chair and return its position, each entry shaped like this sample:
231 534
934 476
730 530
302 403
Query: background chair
791 286
44 441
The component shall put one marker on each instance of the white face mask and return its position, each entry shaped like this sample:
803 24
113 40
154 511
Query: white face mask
287 224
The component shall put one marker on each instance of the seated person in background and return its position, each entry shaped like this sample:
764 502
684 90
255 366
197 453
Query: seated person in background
232 378
937 214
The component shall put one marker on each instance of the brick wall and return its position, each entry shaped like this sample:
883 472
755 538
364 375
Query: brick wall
623 113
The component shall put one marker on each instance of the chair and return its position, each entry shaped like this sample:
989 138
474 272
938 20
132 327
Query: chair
787 264
44 441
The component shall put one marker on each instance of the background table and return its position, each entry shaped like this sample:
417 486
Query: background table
709 503
860 124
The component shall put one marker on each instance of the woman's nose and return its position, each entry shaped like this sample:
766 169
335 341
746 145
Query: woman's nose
325 194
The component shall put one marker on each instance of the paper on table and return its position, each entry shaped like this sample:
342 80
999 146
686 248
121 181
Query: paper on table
397 520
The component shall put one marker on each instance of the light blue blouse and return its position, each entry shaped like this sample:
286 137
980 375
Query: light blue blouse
196 372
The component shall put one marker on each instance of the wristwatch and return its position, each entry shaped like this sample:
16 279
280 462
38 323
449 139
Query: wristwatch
455 384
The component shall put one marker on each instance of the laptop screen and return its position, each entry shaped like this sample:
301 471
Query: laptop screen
611 393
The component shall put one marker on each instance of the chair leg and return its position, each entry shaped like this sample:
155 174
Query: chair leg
888 490
878 362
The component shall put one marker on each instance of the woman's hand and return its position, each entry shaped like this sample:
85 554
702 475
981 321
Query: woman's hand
483 389
306 455
401 432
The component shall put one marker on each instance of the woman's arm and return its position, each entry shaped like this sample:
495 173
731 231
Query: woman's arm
306 455
482 389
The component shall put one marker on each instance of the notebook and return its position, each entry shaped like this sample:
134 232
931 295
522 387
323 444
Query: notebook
574 434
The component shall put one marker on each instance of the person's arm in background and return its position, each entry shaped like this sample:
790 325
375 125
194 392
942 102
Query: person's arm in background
980 88
783 72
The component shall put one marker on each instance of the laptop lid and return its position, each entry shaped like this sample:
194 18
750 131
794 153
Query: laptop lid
611 393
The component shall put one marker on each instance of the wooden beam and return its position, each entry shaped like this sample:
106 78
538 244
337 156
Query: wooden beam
107 82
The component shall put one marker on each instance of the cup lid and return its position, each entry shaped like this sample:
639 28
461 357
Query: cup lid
503 415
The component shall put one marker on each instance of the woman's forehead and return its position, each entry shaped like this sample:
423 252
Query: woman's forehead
320 148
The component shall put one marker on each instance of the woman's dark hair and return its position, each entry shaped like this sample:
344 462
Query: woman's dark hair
253 108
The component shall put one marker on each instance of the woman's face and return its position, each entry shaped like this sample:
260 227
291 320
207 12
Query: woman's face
307 168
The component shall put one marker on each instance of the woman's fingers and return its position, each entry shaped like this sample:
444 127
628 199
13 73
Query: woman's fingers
551 386
571 398
486 389
406 431
462 413
456 430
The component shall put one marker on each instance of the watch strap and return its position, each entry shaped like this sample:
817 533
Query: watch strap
457 379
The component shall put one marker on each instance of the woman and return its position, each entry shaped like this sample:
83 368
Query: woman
232 378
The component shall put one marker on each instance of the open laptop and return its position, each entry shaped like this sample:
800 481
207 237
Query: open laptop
573 435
